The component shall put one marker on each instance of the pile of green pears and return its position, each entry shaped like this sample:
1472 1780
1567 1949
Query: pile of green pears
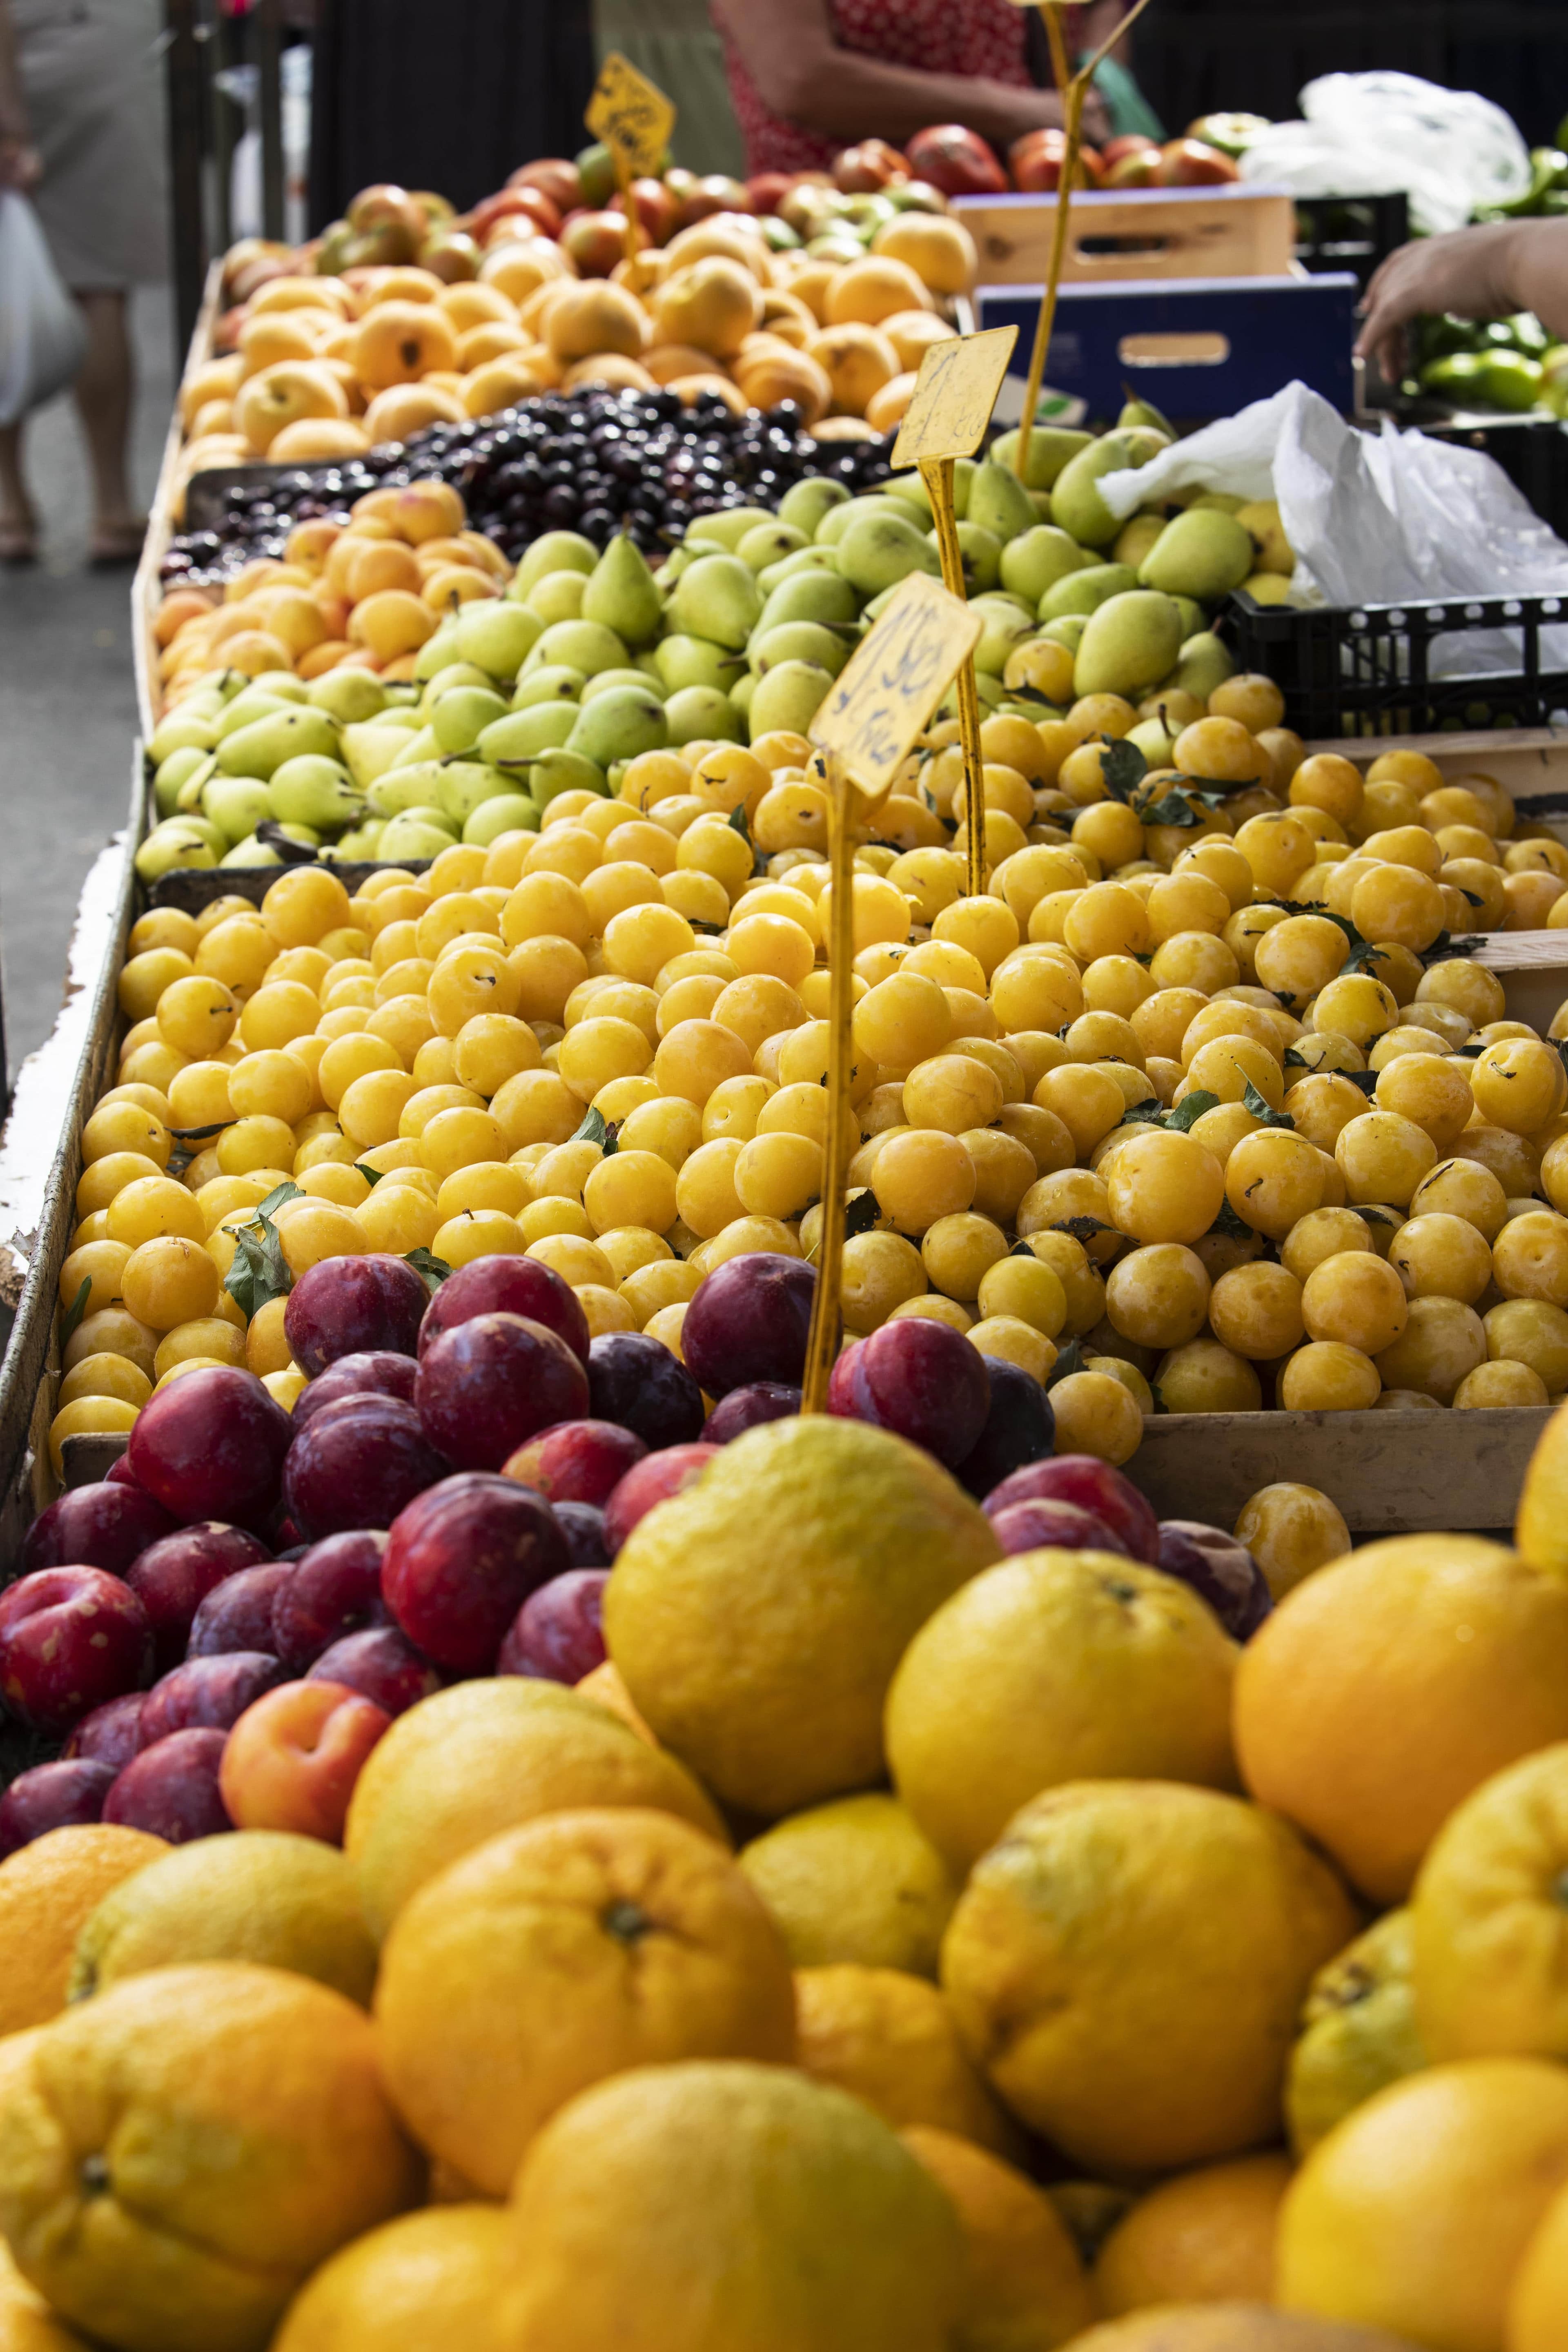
592 660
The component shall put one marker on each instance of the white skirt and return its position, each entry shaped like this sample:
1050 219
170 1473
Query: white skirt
93 79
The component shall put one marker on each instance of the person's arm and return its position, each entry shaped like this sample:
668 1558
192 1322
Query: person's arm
19 165
800 72
1478 273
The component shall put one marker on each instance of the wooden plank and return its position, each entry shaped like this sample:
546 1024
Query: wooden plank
1531 763
1119 234
1390 1472
146 588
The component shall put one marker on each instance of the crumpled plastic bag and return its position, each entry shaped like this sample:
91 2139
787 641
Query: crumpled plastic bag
43 335
1372 133
1374 519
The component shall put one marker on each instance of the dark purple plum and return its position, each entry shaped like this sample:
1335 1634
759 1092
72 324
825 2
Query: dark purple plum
349 1306
212 1445
506 1285
653 1481
53 1797
374 1372
70 1638
461 1562
174 1576
356 1463
583 1524
112 1733
557 1635
920 1379
492 1383
207 1693
104 1526
382 1666
747 1408
1221 1570
635 1380
171 1790
1095 1487
334 1591
575 1461
1019 1428
237 1613
1057 1527
749 1322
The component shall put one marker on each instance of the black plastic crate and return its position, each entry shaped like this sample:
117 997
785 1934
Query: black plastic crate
1354 233
1366 669
1532 450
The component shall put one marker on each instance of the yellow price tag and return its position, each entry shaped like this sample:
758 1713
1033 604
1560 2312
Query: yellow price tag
631 115
955 395
886 694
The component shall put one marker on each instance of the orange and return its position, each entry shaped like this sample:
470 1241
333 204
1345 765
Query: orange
1358 2032
1490 1967
604 1684
1386 1687
1537 2305
1027 2290
1541 1527
26 2322
429 2279
48 1891
1205 2237
892 2040
579 1946
1233 2327
854 1880
1055 1666
1414 2215
708 2207
177 2155
485 1756
1148 2028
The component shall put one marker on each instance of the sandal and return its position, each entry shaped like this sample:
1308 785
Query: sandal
115 543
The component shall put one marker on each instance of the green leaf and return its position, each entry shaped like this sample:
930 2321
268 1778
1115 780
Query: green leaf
1069 1359
1082 1229
1444 949
737 824
432 1270
1366 1080
1189 1110
1474 1053
1294 1061
594 1129
1263 1112
372 1175
1122 769
258 1272
1142 1114
75 1310
286 1190
1228 1223
1377 1216
1171 809
860 1211
198 1134
1363 953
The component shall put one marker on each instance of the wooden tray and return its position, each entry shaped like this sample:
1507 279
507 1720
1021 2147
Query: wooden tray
1136 232
146 588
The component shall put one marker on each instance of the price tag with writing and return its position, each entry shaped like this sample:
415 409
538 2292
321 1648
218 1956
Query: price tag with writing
631 115
885 696
954 396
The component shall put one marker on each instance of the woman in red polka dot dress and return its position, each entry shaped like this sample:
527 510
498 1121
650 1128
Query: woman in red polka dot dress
809 76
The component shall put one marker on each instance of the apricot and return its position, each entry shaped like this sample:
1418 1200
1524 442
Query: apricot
407 408
518 270
714 305
912 333
592 318
869 291
283 395
938 248
391 624
859 361
398 342
498 384
766 377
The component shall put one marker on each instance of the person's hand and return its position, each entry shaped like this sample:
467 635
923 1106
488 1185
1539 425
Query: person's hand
1466 272
21 167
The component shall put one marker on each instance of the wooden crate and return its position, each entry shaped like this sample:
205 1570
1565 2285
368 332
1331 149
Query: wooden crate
146 588
1116 235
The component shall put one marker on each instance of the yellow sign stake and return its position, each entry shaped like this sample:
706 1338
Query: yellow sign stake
865 730
634 118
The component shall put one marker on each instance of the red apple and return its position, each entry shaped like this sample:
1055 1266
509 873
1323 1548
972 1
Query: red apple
955 161
561 181
714 194
1137 166
514 203
70 1638
1035 162
595 242
52 1797
172 1789
461 1562
292 1760
873 164
658 212
451 255
653 1481
1189 163
767 190
575 1461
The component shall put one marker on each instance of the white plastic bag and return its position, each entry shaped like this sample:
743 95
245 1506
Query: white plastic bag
43 335
1372 133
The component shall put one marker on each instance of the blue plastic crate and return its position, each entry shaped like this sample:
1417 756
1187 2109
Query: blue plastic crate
1262 332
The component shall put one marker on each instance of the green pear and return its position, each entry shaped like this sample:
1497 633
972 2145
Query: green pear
981 552
460 717
619 725
188 799
878 551
989 690
1041 502
437 653
246 707
805 559
558 551
621 592
1136 537
349 696
284 684
179 768
557 597
730 525
1005 627
467 784
1267 588
181 732
741 693
237 806
1075 502
177 843
361 842
417 748
551 682
556 771
804 503
586 646
1157 745
1204 664
805 641
1201 553
717 598
1083 592
912 488
604 679
647 666
770 542
789 697
516 740
402 789
999 503
1050 448
415 838
266 743
315 791
1273 551
369 748
1143 412
1130 642
509 812
837 519
1217 503
686 661
1068 631
825 597
1193 618
963 472
251 853
498 635
1037 560
694 714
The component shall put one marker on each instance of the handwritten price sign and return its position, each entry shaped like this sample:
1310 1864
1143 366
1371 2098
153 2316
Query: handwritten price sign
955 395
631 115
886 694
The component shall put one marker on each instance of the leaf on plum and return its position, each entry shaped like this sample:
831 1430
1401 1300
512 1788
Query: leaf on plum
1263 1111
1189 1110
432 1270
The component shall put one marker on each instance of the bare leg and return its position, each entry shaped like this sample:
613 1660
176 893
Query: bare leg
103 394
18 524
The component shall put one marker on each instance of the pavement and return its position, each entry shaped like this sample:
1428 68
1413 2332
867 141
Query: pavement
67 704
